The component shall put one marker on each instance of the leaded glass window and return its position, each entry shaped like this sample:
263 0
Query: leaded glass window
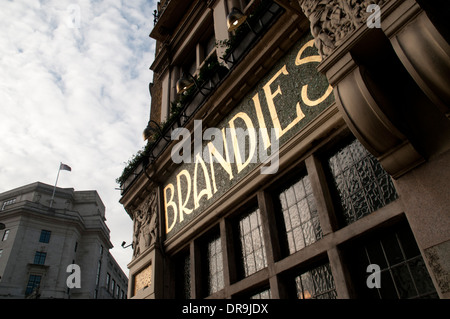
403 274
252 249
301 221
317 283
183 277
362 185
214 265
265 294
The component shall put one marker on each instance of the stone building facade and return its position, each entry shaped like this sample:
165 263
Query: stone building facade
39 243
302 154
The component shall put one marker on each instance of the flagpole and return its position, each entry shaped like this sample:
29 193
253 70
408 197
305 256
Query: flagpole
54 188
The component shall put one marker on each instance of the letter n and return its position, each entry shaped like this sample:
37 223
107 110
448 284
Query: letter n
74 279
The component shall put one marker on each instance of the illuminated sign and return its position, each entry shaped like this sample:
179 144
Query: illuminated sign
291 95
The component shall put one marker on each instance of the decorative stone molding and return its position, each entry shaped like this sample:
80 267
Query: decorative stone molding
357 96
333 20
145 230
422 50
372 110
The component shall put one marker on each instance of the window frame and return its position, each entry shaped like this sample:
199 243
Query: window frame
244 269
212 238
45 236
39 258
32 284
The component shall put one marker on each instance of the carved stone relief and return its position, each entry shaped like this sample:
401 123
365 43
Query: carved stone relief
143 279
145 217
333 20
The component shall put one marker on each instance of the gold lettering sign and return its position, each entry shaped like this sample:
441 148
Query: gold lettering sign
285 100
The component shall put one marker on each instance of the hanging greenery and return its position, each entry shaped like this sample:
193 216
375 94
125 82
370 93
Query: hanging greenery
210 68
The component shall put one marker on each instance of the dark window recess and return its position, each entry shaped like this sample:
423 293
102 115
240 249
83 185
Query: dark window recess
403 274
213 264
361 184
251 243
300 222
39 258
317 283
33 284
183 276
45 236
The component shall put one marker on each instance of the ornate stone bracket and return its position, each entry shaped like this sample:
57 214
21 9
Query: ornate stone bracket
422 50
145 230
374 115
333 20
356 96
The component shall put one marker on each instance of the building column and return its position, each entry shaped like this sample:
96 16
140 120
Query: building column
147 269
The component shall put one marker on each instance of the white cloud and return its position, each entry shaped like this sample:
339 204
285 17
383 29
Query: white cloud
74 88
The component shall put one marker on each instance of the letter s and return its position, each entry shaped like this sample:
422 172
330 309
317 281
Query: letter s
313 58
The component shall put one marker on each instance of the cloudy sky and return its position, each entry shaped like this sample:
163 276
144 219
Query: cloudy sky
74 80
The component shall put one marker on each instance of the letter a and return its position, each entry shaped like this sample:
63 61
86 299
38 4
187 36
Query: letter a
181 152
374 20
74 279
374 279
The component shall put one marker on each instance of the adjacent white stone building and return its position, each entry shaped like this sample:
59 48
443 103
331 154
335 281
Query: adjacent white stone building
38 243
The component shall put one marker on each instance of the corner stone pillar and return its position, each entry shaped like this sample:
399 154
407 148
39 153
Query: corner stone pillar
392 88
147 266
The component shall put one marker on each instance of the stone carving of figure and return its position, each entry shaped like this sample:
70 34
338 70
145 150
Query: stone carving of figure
318 13
145 230
153 222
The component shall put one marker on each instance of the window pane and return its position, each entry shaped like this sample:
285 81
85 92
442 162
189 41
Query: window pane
33 283
361 184
214 265
300 219
265 294
45 236
317 283
403 274
39 258
183 277
252 248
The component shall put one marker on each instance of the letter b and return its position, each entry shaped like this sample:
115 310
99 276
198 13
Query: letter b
74 279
